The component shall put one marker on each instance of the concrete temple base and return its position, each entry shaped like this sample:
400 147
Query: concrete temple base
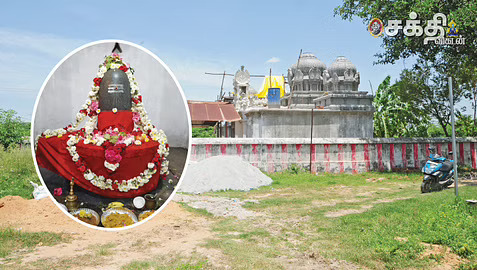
296 123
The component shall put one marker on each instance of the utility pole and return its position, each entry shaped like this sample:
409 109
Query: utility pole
451 101
222 84
223 74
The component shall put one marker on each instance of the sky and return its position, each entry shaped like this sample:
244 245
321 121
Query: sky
191 37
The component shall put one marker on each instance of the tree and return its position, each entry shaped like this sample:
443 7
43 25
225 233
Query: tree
458 61
12 129
426 89
465 127
463 12
394 117
203 132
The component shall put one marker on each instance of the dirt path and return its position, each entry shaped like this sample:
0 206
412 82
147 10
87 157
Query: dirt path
174 232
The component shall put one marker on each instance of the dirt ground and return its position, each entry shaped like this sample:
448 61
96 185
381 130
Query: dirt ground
174 230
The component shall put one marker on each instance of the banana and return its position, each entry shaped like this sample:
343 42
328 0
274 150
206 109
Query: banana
115 205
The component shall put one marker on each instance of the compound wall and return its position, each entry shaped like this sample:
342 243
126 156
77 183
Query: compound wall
337 155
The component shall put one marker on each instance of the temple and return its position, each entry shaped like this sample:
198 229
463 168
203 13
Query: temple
327 95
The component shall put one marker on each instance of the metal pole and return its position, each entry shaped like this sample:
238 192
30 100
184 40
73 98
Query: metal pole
451 100
311 136
222 87
271 78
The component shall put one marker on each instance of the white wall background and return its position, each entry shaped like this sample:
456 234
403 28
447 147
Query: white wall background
68 88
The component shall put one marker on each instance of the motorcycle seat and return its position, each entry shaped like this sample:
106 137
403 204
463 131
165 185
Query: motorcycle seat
447 166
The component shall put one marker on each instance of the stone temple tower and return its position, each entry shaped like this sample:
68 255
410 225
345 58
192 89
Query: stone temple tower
306 81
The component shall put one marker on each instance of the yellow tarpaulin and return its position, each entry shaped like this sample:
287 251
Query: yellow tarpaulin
277 82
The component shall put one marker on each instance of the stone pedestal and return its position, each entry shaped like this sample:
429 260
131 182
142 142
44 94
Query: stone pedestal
296 123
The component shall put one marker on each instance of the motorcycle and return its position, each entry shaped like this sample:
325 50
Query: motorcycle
438 172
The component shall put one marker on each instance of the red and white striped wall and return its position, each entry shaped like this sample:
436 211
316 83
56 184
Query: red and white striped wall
339 155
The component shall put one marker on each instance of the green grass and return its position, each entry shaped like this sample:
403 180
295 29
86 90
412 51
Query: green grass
390 234
199 211
303 181
16 172
12 240
169 262
371 238
104 250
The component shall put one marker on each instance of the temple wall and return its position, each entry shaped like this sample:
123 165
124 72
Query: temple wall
337 155
296 123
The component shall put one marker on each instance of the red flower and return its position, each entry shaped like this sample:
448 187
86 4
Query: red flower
97 81
135 100
112 156
167 145
57 191
140 98
123 68
82 168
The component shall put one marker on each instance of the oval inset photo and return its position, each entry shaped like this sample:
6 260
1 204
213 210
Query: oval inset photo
111 130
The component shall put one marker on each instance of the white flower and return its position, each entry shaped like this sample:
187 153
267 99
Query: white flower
111 166
71 141
115 110
88 102
89 176
79 116
99 140
89 130
137 142
129 140
98 111
75 157
150 165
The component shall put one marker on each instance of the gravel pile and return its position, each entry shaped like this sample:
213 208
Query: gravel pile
222 173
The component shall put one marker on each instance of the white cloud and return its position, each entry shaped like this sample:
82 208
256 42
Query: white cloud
273 60
50 45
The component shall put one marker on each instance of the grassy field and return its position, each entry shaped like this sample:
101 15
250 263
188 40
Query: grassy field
374 220
12 240
16 172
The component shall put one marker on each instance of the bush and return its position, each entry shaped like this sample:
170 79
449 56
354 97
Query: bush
16 172
12 129
203 132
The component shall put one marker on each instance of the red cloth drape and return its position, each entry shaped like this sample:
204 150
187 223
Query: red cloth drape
52 154
122 120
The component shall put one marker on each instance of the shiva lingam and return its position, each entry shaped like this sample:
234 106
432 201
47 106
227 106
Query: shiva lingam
72 200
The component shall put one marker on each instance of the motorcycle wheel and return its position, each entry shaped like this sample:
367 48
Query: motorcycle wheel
426 187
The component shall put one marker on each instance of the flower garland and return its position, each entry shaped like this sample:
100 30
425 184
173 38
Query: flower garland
114 141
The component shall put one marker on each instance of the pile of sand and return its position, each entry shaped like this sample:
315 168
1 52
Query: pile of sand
222 173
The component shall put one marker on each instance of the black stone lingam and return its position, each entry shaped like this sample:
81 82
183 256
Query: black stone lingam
115 91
